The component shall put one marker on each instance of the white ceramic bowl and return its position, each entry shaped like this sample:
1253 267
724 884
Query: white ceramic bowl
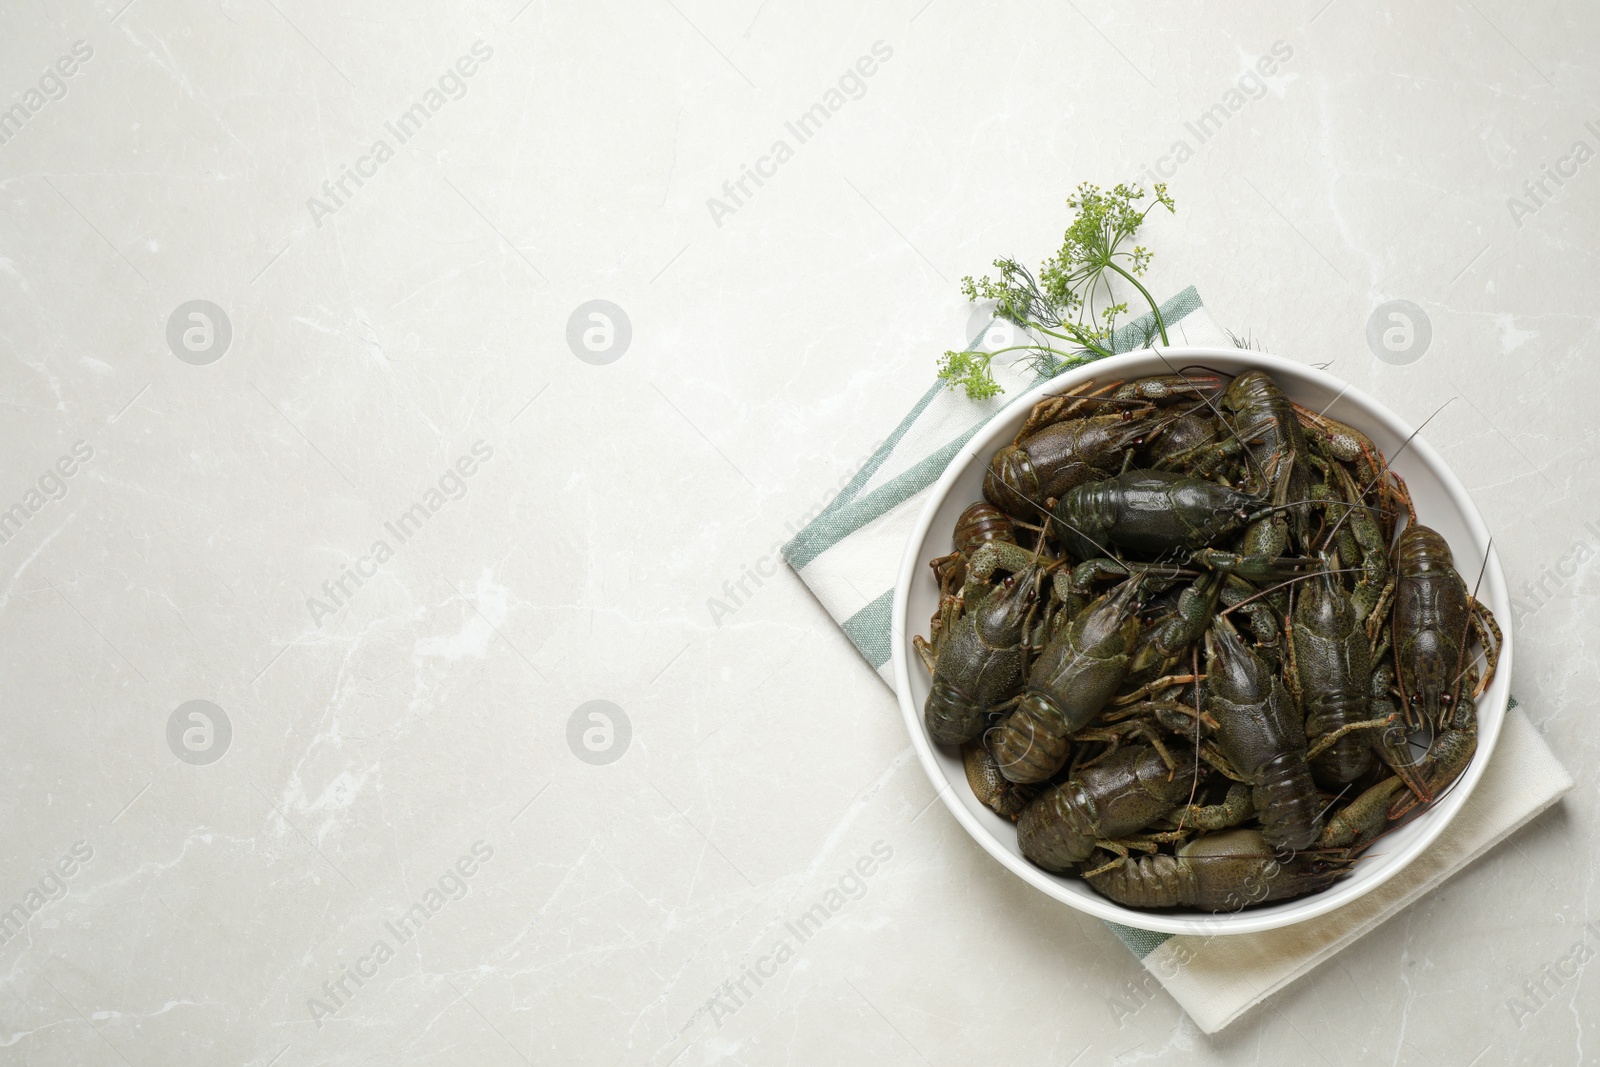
1441 502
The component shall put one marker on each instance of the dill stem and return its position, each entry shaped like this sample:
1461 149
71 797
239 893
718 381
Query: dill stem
1066 337
1154 309
1031 348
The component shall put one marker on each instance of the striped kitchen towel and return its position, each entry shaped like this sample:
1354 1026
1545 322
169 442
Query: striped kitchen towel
850 553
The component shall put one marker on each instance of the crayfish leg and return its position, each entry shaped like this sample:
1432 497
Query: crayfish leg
1447 757
1484 624
1144 692
1235 808
1121 849
1327 740
1403 494
1059 408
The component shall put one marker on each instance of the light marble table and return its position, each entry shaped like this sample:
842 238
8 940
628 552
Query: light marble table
368 504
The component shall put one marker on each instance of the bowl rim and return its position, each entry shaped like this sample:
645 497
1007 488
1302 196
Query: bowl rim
1340 893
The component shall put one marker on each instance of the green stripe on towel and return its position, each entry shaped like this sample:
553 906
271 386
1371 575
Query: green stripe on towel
868 629
1140 942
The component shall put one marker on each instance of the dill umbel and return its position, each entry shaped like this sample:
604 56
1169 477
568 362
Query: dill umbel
1072 300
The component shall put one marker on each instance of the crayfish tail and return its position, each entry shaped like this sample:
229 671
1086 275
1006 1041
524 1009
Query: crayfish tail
1031 744
952 717
1148 882
1290 807
1056 831
990 786
1010 483
1348 758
